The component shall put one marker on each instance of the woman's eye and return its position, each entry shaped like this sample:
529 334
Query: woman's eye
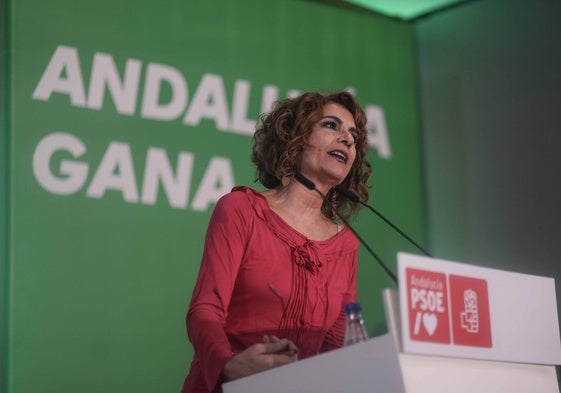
330 124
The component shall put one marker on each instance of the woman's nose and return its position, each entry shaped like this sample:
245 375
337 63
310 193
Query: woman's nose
345 137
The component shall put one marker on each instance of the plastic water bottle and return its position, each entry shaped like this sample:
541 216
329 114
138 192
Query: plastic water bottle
354 331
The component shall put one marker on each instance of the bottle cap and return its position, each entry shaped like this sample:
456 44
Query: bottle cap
353 307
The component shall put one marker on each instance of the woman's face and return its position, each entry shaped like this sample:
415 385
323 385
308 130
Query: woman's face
332 152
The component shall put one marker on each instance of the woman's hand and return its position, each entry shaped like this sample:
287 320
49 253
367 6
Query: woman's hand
271 353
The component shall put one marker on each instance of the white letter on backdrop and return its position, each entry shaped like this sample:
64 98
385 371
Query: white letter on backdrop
240 122
155 75
76 172
210 89
217 181
293 93
65 59
104 72
270 95
117 157
378 131
158 169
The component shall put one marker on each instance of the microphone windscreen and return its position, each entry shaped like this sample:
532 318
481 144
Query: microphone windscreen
305 181
347 193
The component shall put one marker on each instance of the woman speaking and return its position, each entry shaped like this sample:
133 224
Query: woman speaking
277 266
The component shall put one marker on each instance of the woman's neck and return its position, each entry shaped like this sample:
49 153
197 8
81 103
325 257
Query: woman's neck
301 209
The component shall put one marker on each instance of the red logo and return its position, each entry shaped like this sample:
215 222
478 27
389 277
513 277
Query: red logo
428 306
469 301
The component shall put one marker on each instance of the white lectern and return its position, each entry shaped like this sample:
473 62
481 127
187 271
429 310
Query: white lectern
452 328
372 366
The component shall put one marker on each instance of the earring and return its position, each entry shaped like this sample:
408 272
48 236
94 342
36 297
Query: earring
286 178
334 199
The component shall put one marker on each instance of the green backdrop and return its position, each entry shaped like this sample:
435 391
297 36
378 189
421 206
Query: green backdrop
491 93
127 121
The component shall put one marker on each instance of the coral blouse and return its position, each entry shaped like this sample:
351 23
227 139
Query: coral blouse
259 276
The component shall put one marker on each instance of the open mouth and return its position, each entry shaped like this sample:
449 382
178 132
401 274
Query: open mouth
339 155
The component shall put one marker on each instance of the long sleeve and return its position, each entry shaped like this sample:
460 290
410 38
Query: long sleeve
224 248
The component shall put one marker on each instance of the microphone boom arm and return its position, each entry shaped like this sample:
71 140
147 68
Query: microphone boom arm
355 198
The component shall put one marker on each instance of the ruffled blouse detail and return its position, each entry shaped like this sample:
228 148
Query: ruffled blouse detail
306 256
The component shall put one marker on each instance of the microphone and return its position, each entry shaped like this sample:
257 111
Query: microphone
311 186
353 196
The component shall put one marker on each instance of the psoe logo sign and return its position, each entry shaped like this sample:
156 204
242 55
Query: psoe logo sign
428 306
432 314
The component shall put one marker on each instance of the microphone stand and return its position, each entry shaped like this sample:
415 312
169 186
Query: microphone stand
355 198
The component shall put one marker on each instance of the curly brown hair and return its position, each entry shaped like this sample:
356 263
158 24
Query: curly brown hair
283 134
